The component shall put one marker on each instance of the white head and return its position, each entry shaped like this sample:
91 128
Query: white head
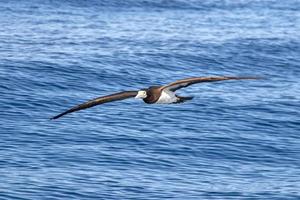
142 94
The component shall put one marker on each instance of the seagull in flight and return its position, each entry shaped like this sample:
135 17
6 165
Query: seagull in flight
152 95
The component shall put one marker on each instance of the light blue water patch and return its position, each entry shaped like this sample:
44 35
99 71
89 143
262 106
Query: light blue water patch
234 140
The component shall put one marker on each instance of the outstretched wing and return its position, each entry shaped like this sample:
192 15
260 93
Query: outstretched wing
190 81
98 101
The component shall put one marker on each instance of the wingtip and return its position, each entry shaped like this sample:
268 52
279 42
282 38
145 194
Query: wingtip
56 117
257 78
251 77
53 118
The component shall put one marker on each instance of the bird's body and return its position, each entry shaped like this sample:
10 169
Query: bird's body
167 97
152 95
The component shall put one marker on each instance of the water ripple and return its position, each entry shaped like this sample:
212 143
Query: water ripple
235 140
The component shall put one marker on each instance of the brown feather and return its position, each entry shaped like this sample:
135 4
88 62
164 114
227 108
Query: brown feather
190 81
98 101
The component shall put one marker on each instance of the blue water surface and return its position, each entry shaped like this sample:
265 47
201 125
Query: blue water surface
234 140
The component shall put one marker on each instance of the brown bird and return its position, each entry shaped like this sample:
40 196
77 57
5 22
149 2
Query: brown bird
154 94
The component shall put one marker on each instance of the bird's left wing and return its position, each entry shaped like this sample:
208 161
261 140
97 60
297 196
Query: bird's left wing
98 101
189 81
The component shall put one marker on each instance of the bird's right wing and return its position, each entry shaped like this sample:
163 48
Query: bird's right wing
98 101
190 81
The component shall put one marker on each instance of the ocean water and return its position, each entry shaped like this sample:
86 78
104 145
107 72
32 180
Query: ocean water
234 140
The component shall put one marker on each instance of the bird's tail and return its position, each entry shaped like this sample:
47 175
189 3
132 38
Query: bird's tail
183 99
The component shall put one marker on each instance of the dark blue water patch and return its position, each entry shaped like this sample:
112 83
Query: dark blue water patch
234 140
179 4
60 7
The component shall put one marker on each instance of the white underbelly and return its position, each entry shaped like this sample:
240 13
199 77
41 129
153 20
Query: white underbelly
167 97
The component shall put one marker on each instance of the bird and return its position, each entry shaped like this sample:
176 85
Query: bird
152 95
